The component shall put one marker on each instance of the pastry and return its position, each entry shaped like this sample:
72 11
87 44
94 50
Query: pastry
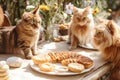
3 66
87 62
42 58
65 62
14 62
47 67
2 63
53 57
59 56
63 26
4 71
64 57
62 69
76 67
5 78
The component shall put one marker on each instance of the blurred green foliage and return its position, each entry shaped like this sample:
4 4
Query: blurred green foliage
16 8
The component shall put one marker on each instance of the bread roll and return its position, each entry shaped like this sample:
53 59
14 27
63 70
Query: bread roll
62 69
14 62
47 67
4 71
42 58
87 62
76 67
2 74
5 78
3 66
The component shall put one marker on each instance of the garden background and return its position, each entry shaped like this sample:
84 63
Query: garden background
54 12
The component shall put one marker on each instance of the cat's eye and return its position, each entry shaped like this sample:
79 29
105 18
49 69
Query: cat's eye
78 18
84 18
25 20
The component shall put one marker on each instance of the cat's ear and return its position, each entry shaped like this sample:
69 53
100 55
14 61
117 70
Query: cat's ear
36 10
111 27
75 9
87 10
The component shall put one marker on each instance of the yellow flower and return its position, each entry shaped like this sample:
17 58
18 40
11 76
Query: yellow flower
110 10
44 7
96 10
55 4
88 0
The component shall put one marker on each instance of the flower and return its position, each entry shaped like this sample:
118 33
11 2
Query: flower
88 0
110 10
30 6
55 6
69 8
89 3
44 7
95 11
65 15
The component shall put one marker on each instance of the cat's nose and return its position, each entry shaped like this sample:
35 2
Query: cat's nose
95 35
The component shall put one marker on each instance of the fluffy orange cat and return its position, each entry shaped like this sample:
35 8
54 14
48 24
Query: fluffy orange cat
24 37
107 40
81 27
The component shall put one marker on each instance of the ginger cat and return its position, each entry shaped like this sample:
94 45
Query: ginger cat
107 40
81 27
24 37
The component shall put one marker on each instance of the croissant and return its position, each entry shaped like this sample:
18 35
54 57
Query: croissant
42 58
87 62
59 56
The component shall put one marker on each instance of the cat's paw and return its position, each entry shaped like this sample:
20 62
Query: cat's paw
68 42
36 54
71 48
28 56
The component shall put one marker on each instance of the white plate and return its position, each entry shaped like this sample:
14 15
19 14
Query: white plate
36 68
89 46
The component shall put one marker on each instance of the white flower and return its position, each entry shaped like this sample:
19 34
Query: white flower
69 8
65 15
30 7
89 3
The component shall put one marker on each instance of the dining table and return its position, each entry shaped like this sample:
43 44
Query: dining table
26 72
